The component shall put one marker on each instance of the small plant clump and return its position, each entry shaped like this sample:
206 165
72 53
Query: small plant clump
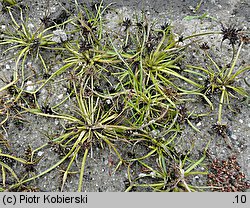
131 88
226 176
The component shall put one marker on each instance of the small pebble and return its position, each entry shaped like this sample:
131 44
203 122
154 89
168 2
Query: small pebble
244 28
60 36
152 174
142 175
198 124
60 96
7 66
52 9
40 153
30 25
30 86
155 133
108 102
234 137
241 121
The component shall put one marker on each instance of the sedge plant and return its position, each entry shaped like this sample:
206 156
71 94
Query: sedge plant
223 80
8 175
29 44
89 125
171 174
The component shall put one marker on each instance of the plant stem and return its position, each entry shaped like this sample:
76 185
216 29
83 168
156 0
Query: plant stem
82 170
221 105
235 60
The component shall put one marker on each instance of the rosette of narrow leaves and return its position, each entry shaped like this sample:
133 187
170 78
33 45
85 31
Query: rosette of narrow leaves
223 80
169 174
7 173
88 125
28 44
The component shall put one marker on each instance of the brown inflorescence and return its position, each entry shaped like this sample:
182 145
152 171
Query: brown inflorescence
225 176
231 33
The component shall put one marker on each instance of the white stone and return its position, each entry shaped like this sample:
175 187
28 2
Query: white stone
53 9
234 137
30 86
198 124
30 25
155 132
152 174
135 133
108 101
40 153
142 175
241 121
60 96
7 66
60 36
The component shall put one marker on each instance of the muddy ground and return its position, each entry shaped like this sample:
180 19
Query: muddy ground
183 16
